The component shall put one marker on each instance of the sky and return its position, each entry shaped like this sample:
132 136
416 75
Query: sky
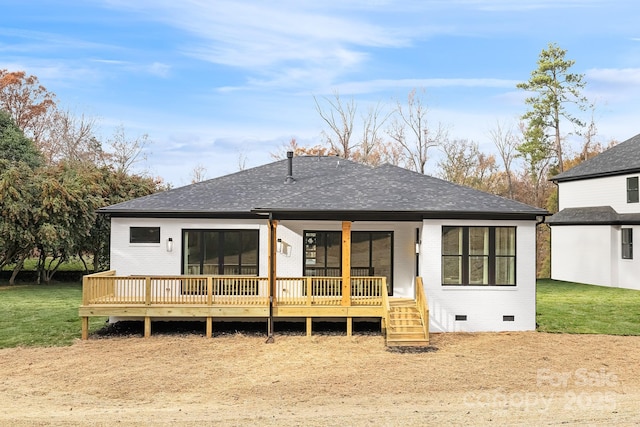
220 83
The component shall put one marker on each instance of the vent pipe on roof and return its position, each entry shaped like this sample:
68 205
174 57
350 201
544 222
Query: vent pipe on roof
290 179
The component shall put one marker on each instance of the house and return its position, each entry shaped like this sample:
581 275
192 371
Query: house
314 237
598 213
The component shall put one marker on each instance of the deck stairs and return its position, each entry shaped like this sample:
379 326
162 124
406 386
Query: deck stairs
405 326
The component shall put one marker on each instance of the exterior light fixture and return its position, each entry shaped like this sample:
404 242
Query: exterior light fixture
169 244
279 246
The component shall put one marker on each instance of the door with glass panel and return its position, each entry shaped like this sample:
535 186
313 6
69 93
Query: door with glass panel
371 254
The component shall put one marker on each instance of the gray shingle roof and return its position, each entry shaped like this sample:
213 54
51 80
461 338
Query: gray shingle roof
620 159
323 184
597 215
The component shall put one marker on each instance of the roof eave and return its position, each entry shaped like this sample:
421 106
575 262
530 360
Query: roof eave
372 215
595 175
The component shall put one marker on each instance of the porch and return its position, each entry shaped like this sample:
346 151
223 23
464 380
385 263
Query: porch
248 297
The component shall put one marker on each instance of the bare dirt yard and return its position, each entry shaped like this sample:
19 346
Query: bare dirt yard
237 379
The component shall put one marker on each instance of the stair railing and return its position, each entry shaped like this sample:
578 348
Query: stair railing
423 306
386 307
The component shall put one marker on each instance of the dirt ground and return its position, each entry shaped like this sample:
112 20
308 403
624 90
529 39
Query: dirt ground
237 379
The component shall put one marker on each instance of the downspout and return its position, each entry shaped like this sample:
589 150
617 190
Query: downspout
272 277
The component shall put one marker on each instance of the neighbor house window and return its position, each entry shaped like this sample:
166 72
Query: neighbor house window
221 252
632 190
627 243
478 255
144 234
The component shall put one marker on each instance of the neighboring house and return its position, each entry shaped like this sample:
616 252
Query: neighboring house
598 215
320 218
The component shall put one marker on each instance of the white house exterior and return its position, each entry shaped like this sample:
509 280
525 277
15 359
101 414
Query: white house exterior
475 252
598 216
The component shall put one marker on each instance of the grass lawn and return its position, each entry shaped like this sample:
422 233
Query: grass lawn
585 309
47 315
72 264
42 315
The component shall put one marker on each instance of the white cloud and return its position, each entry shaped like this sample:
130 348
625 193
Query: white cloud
624 76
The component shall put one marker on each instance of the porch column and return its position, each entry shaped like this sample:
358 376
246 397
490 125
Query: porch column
273 224
346 263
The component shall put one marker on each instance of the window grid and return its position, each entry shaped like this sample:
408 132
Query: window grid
478 256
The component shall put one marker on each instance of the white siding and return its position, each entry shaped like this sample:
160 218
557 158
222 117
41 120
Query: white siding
146 258
140 259
607 191
593 255
484 306
629 269
584 254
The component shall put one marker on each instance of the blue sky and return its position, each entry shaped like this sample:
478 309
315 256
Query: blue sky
213 81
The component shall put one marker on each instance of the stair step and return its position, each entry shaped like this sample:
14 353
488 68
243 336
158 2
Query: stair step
407 343
395 336
395 315
406 329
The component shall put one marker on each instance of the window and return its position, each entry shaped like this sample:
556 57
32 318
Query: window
323 253
144 234
632 190
627 243
371 254
221 252
478 255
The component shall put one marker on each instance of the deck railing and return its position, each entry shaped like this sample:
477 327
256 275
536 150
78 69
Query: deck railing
108 288
423 305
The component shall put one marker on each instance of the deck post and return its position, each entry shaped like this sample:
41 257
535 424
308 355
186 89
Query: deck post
346 263
85 328
309 324
147 291
349 326
147 326
209 326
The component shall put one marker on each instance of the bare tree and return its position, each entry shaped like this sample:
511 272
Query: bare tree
370 150
340 118
199 173
411 131
506 142
72 138
123 153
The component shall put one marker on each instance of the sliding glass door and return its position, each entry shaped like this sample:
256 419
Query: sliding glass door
222 252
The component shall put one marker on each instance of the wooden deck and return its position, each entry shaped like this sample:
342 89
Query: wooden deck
243 297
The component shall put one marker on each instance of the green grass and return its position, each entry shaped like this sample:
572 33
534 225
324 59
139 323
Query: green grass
42 315
72 264
585 309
